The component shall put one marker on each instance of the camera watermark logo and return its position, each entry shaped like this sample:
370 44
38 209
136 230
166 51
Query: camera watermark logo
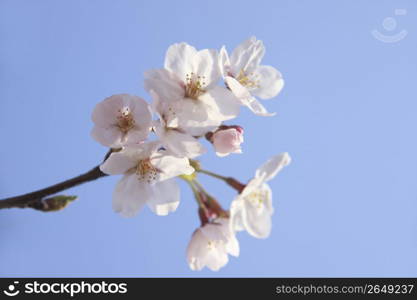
66 288
11 289
390 25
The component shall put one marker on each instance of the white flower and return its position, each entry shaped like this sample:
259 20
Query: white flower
173 138
245 76
252 208
188 84
148 178
121 120
210 245
227 140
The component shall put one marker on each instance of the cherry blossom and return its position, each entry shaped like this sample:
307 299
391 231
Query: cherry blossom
252 209
151 145
227 139
246 78
210 245
188 84
173 138
121 120
148 178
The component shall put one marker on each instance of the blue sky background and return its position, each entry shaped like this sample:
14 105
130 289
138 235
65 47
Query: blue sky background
347 206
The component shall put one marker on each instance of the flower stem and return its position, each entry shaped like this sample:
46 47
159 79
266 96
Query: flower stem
195 190
212 174
238 186
199 186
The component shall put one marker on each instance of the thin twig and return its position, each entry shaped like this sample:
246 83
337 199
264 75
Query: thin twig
29 199
34 199
212 174
238 186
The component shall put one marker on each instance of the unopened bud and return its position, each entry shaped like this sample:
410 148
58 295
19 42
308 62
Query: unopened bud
203 214
214 207
226 139
53 203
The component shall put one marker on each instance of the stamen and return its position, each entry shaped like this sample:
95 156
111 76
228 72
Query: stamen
125 120
248 80
257 198
194 86
211 245
146 171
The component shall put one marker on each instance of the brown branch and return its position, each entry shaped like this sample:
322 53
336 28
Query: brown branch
34 199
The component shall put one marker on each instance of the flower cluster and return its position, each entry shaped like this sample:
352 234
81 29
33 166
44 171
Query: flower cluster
188 105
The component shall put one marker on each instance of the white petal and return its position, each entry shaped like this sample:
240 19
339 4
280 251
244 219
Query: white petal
247 56
117 163
136 137
220 154
181 144
192 110
237 89
193 117
258 109
141 151
268 200
252 186
144 150
206 65
171 166
165 198
179 59
270 168
257 224
105 112
224 62
165 84
214 232
157 106
198 252
108 137
223 104
141 112
164 110
217 258
257 211
232 244
129 196
270 82
245 98
236 221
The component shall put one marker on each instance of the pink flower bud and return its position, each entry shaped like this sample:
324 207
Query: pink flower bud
227 140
